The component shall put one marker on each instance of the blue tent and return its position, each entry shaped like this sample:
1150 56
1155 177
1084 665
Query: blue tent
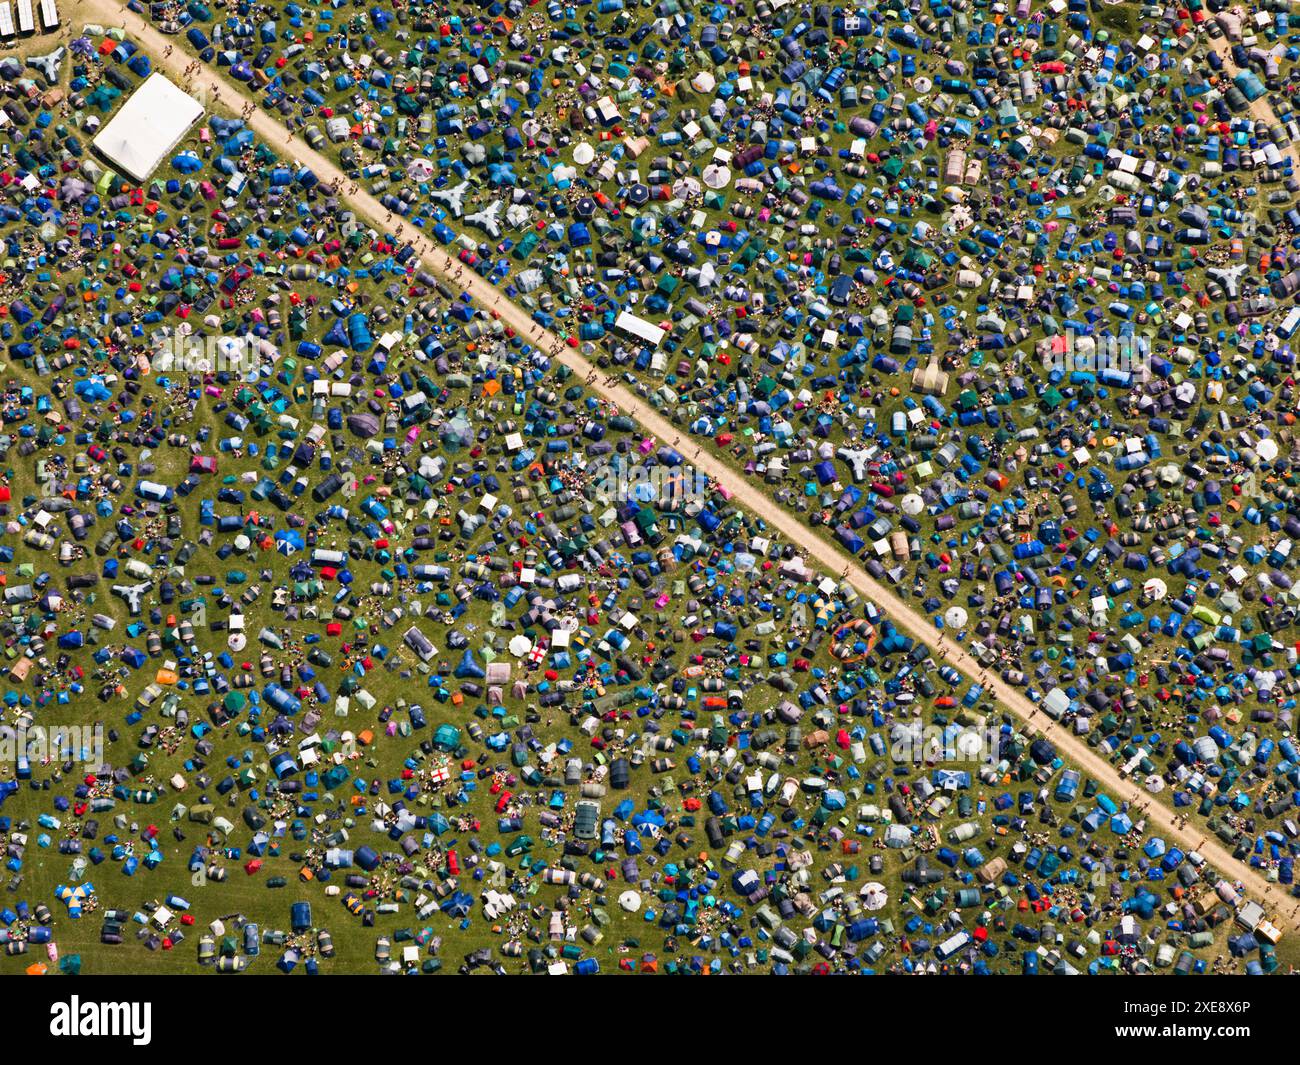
468 668
289 542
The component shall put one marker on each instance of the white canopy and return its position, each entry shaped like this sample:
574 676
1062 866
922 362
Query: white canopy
149 125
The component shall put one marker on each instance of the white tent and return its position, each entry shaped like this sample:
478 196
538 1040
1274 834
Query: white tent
874 896
717 176
149 125
685 188
704 82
